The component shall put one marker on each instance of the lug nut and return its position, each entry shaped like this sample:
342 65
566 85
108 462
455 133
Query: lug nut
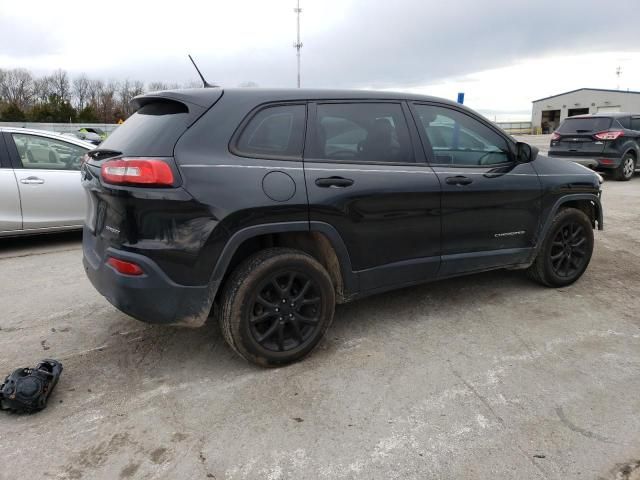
277 309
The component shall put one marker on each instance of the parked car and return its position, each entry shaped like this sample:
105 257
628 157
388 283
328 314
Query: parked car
604 142
276 204
40 189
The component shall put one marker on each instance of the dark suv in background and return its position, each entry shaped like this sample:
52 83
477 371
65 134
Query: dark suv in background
273 205
604 142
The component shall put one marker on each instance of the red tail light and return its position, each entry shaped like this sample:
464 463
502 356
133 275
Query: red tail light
609 135
137 171
127 268
555 136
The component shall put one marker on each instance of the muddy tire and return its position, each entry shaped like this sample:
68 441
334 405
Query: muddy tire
276 306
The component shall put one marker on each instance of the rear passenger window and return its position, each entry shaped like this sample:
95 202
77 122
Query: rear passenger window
361 132
635 123
625 122
274 132
459 139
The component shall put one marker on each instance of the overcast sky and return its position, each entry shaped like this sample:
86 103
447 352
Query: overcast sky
502 54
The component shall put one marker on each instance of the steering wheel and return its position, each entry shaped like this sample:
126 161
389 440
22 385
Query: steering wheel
73 162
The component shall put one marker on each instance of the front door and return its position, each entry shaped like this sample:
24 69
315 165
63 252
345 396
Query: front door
48 175
366 178
490 203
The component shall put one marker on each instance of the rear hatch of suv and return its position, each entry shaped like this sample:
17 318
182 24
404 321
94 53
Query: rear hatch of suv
136 202
578 137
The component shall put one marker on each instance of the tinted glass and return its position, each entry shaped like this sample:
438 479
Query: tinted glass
625 122
459 139
361 132
635 123
152 131
48 154
274 132
585 125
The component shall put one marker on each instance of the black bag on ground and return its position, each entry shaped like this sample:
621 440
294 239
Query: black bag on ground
26 390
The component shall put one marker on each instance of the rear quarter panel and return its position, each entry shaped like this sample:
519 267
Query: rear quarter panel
230 188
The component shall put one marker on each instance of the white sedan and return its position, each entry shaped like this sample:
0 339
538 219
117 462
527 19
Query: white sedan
40 189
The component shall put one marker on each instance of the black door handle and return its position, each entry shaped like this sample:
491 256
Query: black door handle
458 180
334 182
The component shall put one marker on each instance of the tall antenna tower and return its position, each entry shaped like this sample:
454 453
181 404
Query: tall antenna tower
618 73
298 44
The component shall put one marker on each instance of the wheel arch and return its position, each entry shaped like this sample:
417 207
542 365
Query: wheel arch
588 203
318 239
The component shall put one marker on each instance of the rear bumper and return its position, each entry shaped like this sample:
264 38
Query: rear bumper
152 297
589 162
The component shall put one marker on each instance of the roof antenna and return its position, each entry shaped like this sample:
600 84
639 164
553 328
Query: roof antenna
205 84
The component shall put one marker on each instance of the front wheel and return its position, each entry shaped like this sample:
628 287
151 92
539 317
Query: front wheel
626 169
276 306
566 250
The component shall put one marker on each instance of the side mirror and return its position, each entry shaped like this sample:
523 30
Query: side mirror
525 153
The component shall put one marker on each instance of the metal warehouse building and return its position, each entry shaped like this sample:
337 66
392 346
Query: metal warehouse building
550 111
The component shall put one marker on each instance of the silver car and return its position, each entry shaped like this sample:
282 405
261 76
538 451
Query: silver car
40 188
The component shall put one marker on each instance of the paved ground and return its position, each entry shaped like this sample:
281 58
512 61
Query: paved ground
484 377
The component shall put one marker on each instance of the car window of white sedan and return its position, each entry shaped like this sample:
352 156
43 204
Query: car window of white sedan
45 153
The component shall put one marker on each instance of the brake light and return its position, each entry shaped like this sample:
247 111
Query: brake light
609 135
122 266
555 136
137 171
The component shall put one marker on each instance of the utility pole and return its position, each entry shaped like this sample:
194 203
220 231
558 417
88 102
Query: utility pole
618 73
298 44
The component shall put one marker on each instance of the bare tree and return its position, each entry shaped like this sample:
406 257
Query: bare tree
81 87
158 86
193 84
95 92
107 102
17 87
41 90
60 86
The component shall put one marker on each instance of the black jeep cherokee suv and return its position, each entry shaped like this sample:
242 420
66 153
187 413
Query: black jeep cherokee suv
276 204
605 142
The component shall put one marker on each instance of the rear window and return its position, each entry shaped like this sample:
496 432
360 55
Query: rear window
585 125
152 131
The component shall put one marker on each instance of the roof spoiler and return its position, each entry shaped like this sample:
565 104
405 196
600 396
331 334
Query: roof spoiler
197 100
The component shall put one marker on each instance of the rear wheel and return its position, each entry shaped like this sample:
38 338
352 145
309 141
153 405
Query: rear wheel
566 251
626 169
276 306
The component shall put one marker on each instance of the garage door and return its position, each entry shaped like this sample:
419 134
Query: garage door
609 109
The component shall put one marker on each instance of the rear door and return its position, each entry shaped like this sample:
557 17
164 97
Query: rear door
10 215
490 203
366 176
48 174
575 137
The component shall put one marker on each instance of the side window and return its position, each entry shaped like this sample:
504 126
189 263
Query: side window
276 132
459 139
625 122
635 123
361 132
47 153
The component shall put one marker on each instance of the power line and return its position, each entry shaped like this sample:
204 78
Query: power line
298 44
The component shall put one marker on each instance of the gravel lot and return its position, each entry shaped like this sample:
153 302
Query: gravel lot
482 377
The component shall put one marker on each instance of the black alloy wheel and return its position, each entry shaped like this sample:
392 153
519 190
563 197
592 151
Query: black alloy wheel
286 311
569 250
566 250
276 306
